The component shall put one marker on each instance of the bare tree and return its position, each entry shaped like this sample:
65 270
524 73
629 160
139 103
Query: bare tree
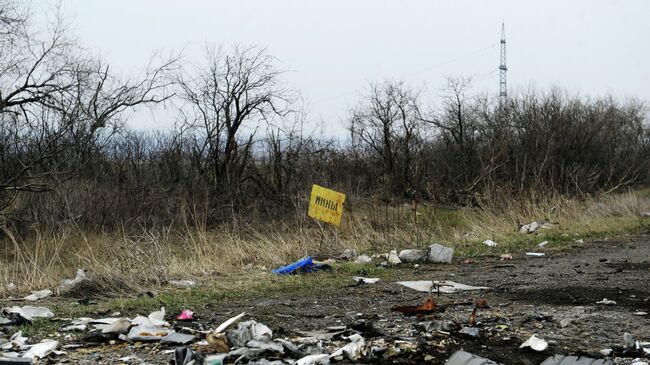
387 124
55 100
224 103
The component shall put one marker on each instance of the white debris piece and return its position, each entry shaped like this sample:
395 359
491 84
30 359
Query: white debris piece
322 359
42 349
529 228
222 327
411 255
440 253
148 333
606 301
354 350
183 284
29 313
542 244
157 318
535 343
490 243
447 287
360 279
16 341
122 325
67 284
393 258
350 254
249 330
38 294
363 259
535 254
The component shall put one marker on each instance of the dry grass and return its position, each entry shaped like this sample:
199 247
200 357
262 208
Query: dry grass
123 263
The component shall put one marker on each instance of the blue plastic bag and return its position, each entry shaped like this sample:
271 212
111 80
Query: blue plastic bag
302 265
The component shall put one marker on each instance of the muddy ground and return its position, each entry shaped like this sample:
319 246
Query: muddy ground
553 297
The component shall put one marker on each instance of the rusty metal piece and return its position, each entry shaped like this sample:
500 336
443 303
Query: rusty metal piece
429 306
472 318
482 304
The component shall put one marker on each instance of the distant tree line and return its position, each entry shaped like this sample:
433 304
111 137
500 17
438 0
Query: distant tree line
240 144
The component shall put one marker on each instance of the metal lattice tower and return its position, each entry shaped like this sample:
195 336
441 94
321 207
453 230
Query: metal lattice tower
503 87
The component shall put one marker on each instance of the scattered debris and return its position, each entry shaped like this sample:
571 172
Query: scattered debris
362 280
320 359
490 243
470 331
39 294
353 350
40 350
69 284
542 244
535 254
529 228
606 301
505 257
183 284
350 254
174 338
413 255
393 258
640 313
148 333
461 357
363 259
305 265
248 330
535 343
428 307
185 315
120 326
28 313
645 214
628 341
447 287
575 360
440 253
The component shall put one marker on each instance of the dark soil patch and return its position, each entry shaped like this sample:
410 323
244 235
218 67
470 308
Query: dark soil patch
578 295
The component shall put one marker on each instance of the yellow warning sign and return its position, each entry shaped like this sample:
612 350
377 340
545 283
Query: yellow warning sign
326 205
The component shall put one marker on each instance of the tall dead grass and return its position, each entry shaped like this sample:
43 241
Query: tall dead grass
123 263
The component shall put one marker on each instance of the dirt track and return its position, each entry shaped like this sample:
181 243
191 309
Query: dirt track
531 297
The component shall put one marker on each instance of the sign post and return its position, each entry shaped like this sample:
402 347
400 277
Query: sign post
326 205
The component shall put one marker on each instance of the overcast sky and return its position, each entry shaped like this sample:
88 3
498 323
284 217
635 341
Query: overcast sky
333 48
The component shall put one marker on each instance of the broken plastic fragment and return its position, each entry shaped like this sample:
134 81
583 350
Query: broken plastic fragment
363 259
42 349
606 301
447 287
222 327
354 350
121 325
157 318
68 284
38 294
186 315
148 333
305 265
393 258
362 280
535 254
321 359
535 343
489 243
29 313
